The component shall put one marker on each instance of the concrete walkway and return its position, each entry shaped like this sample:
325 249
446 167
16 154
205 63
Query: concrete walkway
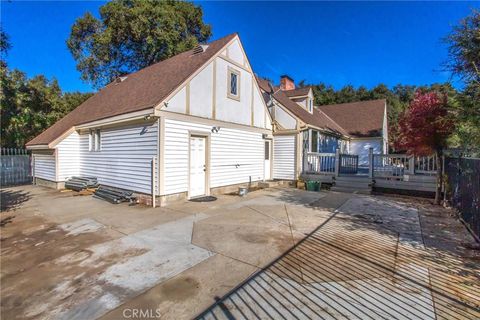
277 253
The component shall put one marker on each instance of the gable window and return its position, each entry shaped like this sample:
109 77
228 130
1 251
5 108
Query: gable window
310 105
94 140
233 84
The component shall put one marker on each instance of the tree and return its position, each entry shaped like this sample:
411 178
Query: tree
464 48
133 34
464 62
424 128
29 106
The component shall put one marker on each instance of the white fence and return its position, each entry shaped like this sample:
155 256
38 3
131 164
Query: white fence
319 163
397 165
381 165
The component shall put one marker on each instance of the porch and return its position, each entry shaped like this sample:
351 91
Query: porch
383 171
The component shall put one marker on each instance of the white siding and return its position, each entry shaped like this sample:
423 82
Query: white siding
44 165
284 157
68 153
228 148
124 160
360 147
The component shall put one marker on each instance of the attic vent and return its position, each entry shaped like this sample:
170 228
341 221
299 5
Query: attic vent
200 48
120 79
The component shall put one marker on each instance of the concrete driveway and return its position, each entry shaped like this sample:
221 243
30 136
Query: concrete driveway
277 253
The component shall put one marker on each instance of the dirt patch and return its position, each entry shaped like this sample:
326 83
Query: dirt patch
30 276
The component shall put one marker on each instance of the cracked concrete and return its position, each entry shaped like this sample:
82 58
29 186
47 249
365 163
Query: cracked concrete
277 253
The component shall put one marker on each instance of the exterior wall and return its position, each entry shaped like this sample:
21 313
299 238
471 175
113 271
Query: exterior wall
124 160
361 147
283 118
206 93
228 148
68 153
44 164
302 102
284 157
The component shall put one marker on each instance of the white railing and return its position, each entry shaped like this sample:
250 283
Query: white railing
320 163
391 165
396 165
426 165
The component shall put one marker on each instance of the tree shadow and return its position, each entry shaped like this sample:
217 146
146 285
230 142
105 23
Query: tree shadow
11 200
334 273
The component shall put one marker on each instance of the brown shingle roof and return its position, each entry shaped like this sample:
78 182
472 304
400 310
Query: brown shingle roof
359 119
139 91
316 118
298 92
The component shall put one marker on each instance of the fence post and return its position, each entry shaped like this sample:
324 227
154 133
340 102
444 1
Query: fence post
337 162
370 163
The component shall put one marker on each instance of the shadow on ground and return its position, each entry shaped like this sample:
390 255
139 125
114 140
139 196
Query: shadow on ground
357 266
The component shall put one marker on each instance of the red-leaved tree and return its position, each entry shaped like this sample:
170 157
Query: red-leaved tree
424 128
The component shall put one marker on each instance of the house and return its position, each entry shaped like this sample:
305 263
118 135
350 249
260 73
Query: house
188 126
300 127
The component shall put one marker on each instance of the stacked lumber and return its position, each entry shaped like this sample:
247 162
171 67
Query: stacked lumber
113 195
81 183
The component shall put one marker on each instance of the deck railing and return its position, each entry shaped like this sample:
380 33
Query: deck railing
348 163
396 165
320 163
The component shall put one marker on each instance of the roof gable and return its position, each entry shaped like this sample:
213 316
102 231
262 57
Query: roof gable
140 90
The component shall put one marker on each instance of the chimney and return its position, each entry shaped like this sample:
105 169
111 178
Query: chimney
286 83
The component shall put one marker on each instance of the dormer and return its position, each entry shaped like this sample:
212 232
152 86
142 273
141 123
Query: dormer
302 96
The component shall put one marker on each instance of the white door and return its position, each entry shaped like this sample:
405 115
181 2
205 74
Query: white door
198 167
268 160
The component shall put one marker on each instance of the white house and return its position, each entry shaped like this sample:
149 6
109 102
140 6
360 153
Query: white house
300 126
185 127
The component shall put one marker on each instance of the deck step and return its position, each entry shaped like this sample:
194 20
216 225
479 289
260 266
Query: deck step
351 190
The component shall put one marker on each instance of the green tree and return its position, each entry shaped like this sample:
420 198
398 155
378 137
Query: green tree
29 106
464 48
133 34
464 61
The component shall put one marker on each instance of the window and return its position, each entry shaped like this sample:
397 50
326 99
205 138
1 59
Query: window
310 105
94 140
267 150
91 141
97 140
233 84
314 137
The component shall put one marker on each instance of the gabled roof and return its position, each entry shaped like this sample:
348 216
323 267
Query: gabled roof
140 90
359 119
356 119
316 118
298 92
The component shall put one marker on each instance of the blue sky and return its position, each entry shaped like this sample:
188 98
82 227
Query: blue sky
338 43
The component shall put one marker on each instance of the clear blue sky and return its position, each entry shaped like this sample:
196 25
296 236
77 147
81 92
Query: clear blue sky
337 43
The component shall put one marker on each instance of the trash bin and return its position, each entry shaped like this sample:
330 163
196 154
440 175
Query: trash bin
311 185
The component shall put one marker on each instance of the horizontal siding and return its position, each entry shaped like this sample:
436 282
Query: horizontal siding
284 157
44 166
236 156
124 160
69 157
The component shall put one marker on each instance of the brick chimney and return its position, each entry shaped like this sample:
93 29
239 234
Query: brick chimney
286 83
